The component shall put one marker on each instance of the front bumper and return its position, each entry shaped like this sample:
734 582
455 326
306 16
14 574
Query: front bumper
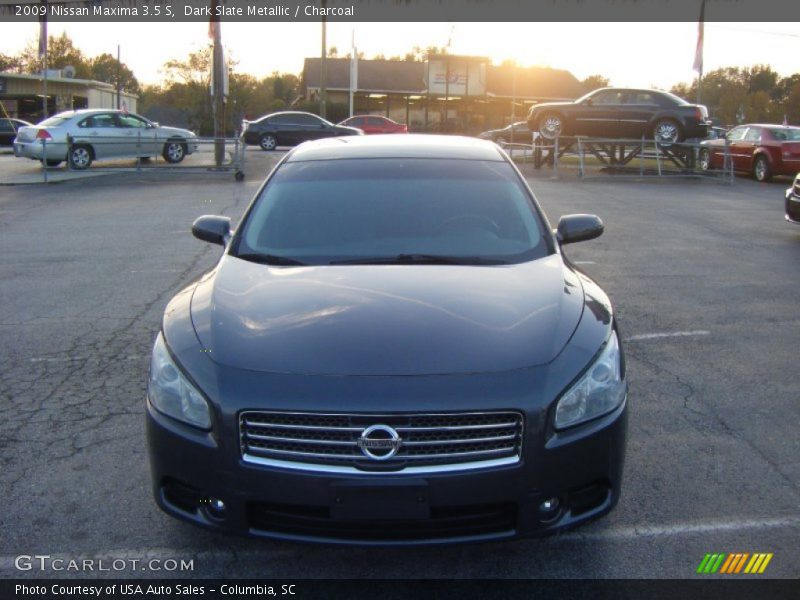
792 206
581 468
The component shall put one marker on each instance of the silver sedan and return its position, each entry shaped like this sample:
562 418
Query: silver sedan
83 136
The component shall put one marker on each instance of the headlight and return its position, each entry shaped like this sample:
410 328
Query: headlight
171 393
599 391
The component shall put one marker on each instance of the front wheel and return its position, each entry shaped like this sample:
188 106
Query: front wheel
80 157
761 169
666 131
174 152
551 126
267 142
705 160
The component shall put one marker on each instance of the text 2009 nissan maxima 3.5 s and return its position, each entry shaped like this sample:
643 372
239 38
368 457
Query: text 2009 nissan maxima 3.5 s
391 350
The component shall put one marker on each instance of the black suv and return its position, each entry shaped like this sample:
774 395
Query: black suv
622 113
290 128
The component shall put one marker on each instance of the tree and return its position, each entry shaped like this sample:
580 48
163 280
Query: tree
594 82
105 68
11 64
195 70
61 52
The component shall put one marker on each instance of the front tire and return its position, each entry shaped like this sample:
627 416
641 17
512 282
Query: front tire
667 131
761 170
551 126
705 160
267 142
174 152
81 156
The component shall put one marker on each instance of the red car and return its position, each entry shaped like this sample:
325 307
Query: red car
374 124
763 150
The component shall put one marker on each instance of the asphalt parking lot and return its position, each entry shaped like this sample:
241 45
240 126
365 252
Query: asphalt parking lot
705 281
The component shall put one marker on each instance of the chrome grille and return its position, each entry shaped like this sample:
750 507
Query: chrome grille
427 442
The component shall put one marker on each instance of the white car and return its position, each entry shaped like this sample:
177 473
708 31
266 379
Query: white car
83 136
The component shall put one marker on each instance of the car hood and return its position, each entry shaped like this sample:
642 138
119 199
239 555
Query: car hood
175 131
546 105
347 130
386 319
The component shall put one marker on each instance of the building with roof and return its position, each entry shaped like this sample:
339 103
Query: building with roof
444 93
21 95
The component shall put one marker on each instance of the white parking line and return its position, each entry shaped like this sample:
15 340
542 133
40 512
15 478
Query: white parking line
60 359
42 359
629 533
655 336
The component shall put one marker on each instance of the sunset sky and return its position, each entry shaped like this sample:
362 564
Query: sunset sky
629 54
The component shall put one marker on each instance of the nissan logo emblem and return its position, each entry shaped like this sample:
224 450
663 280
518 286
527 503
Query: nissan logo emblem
379 442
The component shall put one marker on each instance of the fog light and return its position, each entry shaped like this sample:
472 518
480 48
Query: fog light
216 508
549 509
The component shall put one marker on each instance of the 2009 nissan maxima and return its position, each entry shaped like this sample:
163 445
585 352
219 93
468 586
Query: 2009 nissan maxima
392 349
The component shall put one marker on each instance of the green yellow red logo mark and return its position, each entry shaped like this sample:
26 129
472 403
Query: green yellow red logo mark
733 564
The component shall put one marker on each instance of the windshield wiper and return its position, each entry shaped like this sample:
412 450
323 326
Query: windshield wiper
270 259
419 259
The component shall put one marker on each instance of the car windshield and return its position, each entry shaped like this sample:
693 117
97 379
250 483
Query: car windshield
394 210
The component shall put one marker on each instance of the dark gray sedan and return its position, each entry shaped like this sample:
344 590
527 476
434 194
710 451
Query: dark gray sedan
289 128
392 349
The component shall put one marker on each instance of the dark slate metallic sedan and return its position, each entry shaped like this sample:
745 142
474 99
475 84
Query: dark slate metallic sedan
289 128
392 349
793 201
622 113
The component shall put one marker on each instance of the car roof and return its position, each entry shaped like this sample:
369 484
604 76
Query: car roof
396 146
68 114
290 112
770 125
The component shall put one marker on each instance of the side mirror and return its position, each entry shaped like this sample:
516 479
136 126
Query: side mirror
212 228
578 228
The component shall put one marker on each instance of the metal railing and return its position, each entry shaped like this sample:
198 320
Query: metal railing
617 156
149 154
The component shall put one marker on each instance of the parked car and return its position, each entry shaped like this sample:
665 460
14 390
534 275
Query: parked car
374 124
621 113
716 133
8 130
763 150
289 128
517 133
383 356
99 134
793 201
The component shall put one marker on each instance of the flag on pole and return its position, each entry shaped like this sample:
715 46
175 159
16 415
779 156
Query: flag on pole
43 30
353 70
698 53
